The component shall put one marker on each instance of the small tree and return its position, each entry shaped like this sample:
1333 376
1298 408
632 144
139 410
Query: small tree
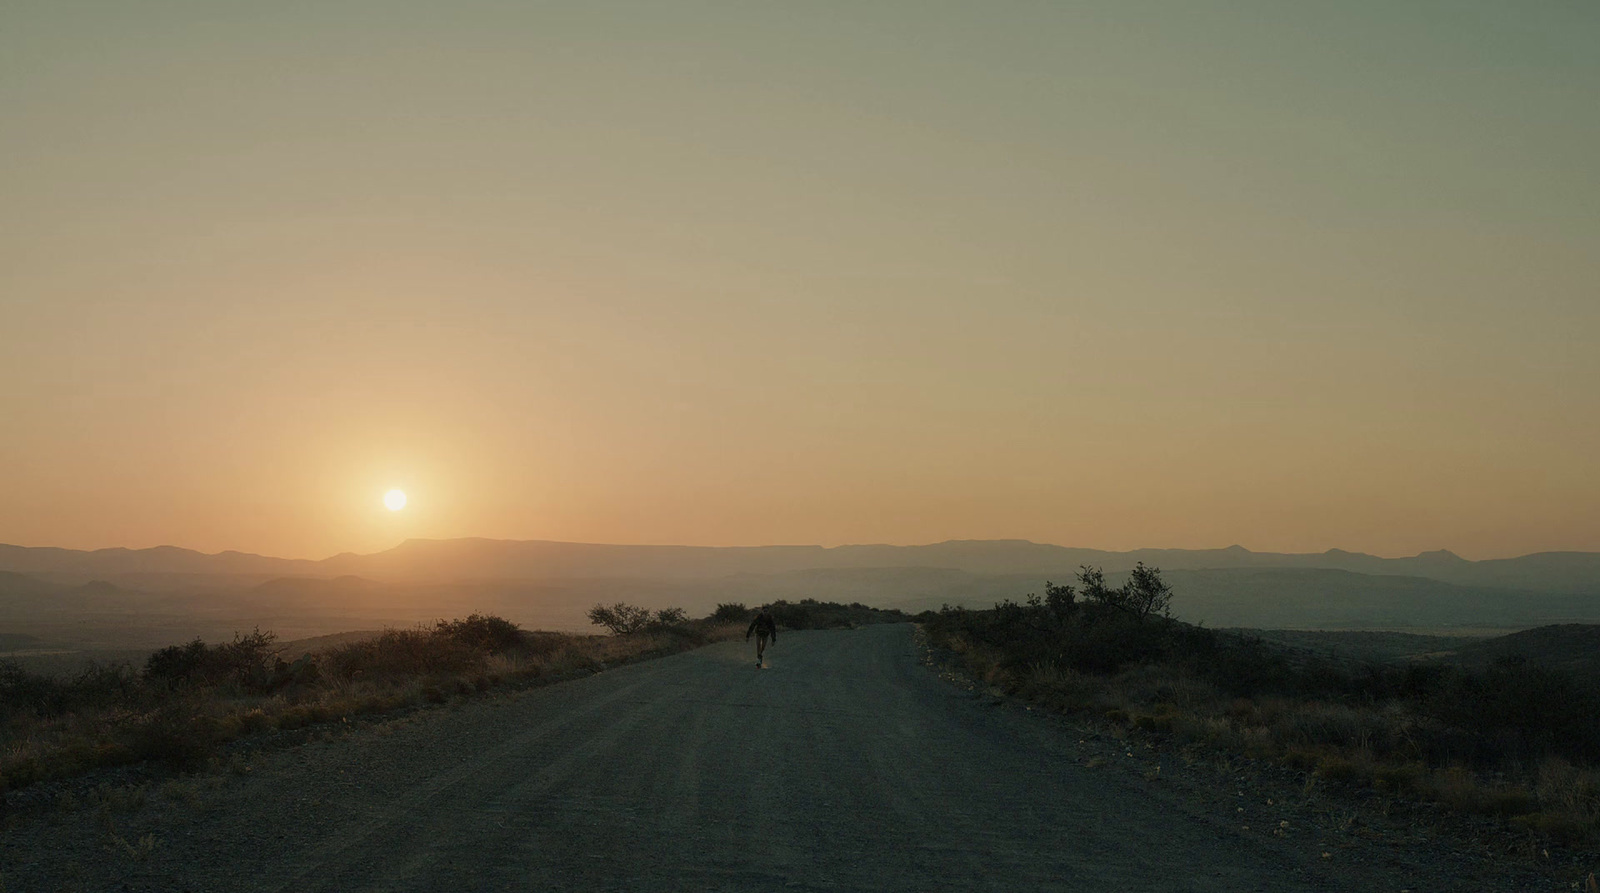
731 612
177 663
484 632
246 660
1144 594
670 617
1093 582
1059 599
620 618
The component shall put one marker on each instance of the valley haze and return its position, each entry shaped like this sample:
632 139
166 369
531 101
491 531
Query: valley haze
108 599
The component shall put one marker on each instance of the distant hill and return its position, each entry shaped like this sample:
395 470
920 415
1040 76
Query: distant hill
1260 598
17 585
164 595
167 560
18 642
1328 599
1575 646
1360 645
484 559
298 648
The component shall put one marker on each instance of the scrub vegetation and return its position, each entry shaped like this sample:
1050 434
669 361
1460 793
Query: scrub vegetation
188 700
1515 738
807 613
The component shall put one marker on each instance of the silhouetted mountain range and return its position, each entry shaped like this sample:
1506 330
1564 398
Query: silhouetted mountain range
120 597
459 560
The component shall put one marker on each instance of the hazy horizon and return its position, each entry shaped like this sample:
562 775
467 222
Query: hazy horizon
1113 276
397 544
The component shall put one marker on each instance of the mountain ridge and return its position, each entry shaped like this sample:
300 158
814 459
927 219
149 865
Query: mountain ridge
480 558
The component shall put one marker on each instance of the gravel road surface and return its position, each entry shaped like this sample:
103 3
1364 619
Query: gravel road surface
843 765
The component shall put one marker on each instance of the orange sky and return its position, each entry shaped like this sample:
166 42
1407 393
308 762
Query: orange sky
1189 275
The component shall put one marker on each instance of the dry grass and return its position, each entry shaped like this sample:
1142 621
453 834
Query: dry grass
184 726
1388 746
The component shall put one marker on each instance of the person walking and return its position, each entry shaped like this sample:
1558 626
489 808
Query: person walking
764 628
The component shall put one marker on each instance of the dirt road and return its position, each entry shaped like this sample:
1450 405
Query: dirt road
845 765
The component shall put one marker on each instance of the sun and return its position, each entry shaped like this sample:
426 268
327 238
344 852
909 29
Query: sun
394 500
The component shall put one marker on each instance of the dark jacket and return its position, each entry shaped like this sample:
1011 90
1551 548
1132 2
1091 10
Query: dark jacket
764 625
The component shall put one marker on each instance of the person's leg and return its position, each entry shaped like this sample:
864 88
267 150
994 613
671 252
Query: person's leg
761 646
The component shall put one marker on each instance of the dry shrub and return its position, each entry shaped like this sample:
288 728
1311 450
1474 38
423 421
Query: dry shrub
1568 788
1319 723
1464 738
1160 721
1342 769
1399 778
956 643
1061 689
1000 677
1460 789
481 632
1302 758
1215 731
1172 689
202 696
179 734
1569 800
403 652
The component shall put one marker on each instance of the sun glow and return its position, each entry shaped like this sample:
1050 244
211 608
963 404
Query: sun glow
394 500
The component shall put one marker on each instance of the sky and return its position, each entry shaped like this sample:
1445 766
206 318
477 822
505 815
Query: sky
1106 274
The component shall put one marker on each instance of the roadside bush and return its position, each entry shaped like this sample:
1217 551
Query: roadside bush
176 734
403 652
1144 595
177 663
670 617
1518 709
187 702
24 692
621 618
808 613
482 632
1470 740
31 694
538 643
244 661
734 612
1060 600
